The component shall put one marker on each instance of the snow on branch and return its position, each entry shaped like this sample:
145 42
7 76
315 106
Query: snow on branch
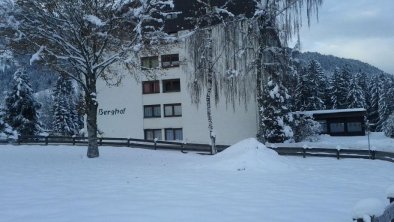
36 56
94 20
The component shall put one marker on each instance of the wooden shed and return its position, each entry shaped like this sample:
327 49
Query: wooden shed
340 122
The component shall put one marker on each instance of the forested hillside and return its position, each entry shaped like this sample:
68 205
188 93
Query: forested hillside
329 63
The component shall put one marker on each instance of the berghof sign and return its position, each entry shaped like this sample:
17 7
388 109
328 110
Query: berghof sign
112 112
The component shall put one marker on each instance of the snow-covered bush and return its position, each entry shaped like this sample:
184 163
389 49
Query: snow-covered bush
367 208
305 128
275 119
388 126
6 131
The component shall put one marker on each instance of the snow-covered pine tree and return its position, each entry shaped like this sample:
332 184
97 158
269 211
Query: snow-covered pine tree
292 78
21 108
383 102
45 98
80 108
6 21
310 90
64 109
355 96
373 109
390 92
301 92
339 88
6 131
334 88
363 82
275 116
277 21
272 96
324 87
84 39
346 76
388 126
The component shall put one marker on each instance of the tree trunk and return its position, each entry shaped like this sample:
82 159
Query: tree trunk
209 91
91 112
259 95
209 115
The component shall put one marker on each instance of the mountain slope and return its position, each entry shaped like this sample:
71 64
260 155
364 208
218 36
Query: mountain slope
329 63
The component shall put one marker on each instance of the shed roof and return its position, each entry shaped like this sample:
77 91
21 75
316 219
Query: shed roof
330 111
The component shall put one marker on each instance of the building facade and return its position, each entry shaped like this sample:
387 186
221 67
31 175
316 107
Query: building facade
162 108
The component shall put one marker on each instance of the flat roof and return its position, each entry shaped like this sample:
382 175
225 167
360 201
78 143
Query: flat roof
330 111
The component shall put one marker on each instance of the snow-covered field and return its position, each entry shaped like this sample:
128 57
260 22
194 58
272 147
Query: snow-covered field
378 142
244 183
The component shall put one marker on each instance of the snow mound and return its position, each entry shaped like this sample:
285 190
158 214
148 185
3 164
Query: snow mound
368 207
390 192
248 154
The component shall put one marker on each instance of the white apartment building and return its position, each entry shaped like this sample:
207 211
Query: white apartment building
162 108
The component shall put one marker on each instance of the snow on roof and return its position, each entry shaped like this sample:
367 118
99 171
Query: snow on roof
311 112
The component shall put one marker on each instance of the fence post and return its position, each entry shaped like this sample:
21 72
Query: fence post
304 152
128 142
155 141
101 141
338 154
46 140
73 141
373 154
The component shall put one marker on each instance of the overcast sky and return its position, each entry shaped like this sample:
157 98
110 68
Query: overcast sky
357 29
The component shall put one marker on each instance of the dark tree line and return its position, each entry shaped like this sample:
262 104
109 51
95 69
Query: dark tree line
344 90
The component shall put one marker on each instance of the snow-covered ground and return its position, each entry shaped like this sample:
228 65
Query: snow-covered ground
378 142
246 182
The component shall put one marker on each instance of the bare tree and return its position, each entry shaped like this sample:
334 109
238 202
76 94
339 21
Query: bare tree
84 39
237 56
204 56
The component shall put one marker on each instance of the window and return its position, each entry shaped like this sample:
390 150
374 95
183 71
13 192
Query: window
171 60
174 134
151 134
323 126
151 87
171 85
149 62
172 110
152 111
172 15
353 127
337 127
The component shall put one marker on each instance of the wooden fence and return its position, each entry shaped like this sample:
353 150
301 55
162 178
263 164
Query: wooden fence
336 153
119 142
197 147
